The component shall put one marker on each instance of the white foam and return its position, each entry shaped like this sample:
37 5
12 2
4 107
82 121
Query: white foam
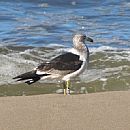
55 45
12 65
108 48
103 79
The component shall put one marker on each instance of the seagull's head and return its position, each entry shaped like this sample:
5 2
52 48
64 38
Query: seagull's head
79 41
81 38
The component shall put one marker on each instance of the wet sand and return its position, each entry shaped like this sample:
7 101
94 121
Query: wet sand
96 111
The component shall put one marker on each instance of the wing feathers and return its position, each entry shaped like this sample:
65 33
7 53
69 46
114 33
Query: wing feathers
31 77
67 61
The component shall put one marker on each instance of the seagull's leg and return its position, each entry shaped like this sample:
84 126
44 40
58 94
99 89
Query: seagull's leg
68 87
64 86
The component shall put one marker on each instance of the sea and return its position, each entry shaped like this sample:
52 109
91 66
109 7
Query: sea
35 31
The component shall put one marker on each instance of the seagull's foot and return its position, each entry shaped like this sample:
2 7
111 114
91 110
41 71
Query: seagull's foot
66 86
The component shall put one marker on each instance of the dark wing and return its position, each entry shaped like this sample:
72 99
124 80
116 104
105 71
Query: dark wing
67 61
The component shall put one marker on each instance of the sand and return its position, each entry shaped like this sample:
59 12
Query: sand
97 111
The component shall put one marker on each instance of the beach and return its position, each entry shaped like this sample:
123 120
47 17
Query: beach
94 111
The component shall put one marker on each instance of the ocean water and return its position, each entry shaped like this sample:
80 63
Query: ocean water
33 31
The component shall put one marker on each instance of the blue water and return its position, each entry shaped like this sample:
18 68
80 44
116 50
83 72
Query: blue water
40 23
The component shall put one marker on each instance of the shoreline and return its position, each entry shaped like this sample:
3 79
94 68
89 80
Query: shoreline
21 89
95 111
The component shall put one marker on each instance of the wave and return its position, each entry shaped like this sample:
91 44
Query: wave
16 60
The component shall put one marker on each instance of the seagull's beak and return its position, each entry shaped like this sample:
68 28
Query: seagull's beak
89 39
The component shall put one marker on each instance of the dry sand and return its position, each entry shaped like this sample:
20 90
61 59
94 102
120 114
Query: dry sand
97 111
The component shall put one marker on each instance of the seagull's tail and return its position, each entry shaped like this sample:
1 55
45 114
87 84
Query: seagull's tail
29 77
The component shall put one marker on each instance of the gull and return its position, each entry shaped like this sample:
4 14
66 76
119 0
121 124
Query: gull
65 66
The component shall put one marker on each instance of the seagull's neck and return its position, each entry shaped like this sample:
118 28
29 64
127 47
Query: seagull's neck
82 50
79 46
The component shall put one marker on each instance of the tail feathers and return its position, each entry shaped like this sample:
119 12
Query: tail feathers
30 77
